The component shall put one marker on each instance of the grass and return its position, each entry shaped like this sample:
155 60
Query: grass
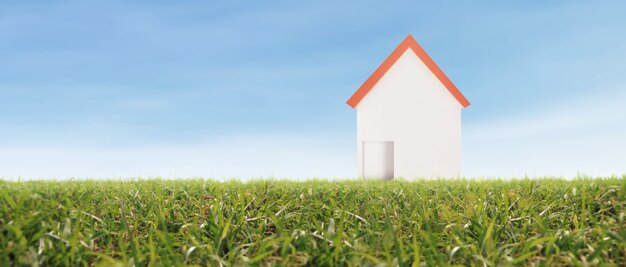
319 223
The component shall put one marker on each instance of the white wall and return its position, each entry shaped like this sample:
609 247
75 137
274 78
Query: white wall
411 107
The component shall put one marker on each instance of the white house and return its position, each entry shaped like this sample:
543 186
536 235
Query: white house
408 118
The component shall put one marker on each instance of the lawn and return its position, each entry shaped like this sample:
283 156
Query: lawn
320 223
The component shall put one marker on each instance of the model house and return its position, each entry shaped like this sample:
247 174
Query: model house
408 118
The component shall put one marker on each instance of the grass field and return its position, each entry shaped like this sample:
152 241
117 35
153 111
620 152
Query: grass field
199 222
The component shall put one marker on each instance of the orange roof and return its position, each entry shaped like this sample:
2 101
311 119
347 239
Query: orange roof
408 42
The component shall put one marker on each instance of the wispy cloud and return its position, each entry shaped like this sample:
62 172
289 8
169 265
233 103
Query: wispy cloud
586 135
280 155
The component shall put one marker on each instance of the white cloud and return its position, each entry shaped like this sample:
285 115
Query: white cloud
581 136
280 156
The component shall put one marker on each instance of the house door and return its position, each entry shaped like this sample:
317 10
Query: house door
378 159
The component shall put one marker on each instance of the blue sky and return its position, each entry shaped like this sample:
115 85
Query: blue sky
240 89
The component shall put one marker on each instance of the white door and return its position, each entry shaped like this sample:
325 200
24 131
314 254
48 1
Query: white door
378 159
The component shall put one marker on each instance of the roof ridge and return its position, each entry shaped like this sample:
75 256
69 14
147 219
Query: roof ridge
408 42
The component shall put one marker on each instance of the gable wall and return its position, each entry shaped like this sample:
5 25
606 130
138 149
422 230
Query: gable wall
411 107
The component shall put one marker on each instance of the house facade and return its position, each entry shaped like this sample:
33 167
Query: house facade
408 118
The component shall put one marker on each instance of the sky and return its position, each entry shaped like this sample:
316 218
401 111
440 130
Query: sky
240 89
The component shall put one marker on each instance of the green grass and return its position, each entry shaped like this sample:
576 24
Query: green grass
199 222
